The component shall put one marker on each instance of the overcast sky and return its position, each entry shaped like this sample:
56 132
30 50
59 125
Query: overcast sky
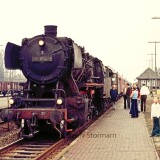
115 31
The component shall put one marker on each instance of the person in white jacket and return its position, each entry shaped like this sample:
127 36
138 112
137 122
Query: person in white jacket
144 92
155 116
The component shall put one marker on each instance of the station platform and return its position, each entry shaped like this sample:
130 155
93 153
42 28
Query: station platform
114 136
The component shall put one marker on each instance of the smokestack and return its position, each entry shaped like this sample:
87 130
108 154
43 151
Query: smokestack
50 30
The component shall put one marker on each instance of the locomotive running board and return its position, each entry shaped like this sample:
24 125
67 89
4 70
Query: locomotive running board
94 84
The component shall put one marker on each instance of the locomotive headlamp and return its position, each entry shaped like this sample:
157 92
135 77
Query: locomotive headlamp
59 101
11 101
41 42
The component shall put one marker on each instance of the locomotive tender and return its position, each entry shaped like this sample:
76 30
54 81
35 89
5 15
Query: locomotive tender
65 86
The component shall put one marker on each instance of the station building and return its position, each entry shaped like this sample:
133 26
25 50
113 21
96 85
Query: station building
151 79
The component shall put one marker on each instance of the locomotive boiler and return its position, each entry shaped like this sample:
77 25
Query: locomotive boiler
64 88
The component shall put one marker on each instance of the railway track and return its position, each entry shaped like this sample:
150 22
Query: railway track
39 149
23 149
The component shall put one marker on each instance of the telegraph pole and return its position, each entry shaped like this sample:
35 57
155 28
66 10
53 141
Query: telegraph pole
155 55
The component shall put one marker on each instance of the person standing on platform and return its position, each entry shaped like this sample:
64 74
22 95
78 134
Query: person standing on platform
144 92
113 94
124 95
128 93
134 105
139 101
155 116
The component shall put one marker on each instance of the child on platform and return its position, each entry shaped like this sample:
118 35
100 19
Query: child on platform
155 116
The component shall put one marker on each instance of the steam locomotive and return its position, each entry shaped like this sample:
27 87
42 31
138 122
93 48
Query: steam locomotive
65 85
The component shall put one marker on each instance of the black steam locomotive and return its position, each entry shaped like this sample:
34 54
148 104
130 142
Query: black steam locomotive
65 86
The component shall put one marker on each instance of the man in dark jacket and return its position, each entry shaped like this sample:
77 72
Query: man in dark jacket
113 94
128 93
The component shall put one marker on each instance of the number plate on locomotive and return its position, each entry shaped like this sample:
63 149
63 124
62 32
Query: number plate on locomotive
42 59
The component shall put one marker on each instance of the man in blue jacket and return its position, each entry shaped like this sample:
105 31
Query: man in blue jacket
113 94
